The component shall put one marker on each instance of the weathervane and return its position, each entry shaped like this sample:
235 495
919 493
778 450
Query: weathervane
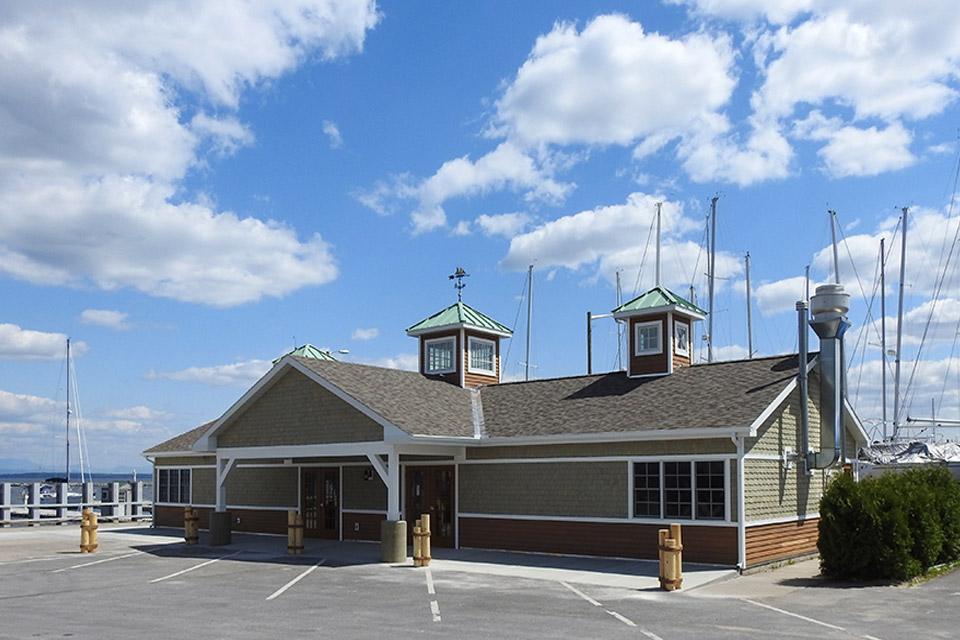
459 274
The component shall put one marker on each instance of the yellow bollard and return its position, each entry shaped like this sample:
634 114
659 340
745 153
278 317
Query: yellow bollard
671 571
425 540
191 525
292 532
298 534
662 536
88 532
418 544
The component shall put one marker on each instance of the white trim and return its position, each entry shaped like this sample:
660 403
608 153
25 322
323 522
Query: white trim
773 406
661 521
186 466
623 316
493 364
636 342
701 433
784 519
426 355
669 336
461 326
701 457
764 456
307 450
461 365
741 505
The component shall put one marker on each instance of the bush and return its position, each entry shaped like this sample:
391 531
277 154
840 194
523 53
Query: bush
895 526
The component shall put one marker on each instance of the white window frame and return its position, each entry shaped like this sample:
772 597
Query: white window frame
676 342
453 354
637 351
166 499
692 461
492 371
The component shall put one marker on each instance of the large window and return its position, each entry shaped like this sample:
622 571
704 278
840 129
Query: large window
647 338
173 485
681 490
482 356
439 355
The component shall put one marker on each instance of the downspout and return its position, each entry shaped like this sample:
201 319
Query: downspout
741 505
829 307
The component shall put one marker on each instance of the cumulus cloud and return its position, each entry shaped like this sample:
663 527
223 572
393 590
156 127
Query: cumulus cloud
504 224
404 361
365 334
239 374
106 318
24 344
333 134
94 143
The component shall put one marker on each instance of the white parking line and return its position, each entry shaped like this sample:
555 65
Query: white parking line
430 588
806 619
300 577
90 564
435 610
434 605
193 568
625 620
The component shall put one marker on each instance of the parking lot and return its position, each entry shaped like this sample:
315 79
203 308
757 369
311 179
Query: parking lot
146 582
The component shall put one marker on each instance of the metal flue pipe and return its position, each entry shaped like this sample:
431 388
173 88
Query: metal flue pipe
829 307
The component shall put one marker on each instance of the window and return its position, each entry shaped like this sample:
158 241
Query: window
647 338
482 356
680 490
439 355
677 494
681 338
710 492
646 489
173 485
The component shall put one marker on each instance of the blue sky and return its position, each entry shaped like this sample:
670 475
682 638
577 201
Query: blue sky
190 190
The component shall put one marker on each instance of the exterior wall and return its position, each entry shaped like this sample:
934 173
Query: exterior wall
362 526
184 461
295 410
641 448
479 379
780 541
734 492
654 363
368 495
573 489
253 520
204 486
705 544
454 376
264 487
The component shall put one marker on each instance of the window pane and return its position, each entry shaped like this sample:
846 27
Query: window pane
440 356
678 492
646 489
185 486
710 494
481 356
681 334
648 338
163 488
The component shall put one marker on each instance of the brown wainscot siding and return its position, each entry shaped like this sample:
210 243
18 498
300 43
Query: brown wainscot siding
779 541
706 544
257 520
362 526
649 364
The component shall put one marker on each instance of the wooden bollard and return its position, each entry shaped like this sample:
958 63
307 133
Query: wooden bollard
294 533
88 532
418 544
191 525
425 539
671 569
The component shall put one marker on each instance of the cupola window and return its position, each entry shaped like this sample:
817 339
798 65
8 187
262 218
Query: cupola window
439 355
681 338
647 338
482 356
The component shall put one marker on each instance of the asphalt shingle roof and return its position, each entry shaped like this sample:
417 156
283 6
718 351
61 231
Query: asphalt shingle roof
181 443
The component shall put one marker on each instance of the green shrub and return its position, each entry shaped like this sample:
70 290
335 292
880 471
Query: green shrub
895 526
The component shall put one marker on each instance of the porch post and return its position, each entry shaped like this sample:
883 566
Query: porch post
220 519
393 530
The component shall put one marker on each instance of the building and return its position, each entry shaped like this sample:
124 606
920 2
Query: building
591 464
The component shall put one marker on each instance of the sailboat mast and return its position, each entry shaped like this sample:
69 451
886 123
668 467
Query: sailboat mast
713 266
68 410
526 375
746 261
619 329
883 339
659 204
896 372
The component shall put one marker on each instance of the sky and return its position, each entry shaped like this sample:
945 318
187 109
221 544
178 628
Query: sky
190 190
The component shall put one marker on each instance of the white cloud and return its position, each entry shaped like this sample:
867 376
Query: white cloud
240 374
504 224
782 295
867 152
612 83
23 344
21 413
106 318
93 146
365 334
333 133
404 361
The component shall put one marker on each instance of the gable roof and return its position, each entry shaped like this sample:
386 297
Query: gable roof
181 443
459 315
707 396
660 297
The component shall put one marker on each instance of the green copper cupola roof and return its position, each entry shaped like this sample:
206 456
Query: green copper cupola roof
659 299
457 316
307 351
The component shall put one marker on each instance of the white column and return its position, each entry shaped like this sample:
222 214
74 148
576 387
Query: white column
393 485
224 467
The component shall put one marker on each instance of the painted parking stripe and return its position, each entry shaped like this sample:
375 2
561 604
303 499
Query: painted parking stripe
625 620
435 610
194 568
90 564
300 577
805 618
434 605
430 588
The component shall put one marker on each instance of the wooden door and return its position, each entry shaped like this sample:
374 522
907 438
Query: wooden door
321 503
432 490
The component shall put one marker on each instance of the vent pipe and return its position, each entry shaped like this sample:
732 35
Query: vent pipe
803 343
829 307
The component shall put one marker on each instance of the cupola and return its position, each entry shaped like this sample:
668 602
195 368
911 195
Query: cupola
659 326
459 344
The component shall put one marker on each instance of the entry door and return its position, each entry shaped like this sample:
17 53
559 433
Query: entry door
321 503
431 490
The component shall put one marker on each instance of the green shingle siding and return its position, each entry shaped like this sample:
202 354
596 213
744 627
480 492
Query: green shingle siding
204 486
264 487
363 494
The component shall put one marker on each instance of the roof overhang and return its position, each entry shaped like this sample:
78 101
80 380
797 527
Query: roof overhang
456 326
623 316
702 433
